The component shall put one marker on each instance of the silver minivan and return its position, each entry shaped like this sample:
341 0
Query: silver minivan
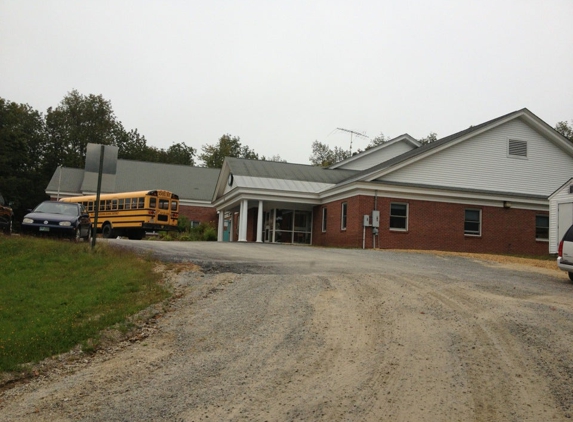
565 253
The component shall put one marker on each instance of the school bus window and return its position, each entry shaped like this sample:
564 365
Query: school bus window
152 202
173 205
141 203
114 204
120 204
163 204
127 203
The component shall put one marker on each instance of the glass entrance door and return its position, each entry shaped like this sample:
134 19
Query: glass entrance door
289 226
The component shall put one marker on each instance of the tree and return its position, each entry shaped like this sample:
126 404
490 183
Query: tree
214 155
131 145
179 153
565 129
22 146
432 137
378 140
80 119
323 156
75 122
276 158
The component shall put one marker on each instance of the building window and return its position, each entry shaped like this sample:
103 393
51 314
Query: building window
323 220
472 223
343 215
516 149
398 216
542 227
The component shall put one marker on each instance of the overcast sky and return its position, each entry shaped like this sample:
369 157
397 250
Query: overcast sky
282 74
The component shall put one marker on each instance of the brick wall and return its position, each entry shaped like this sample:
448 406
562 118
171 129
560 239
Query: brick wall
431 226
201 214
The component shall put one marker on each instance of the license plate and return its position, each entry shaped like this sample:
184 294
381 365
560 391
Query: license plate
44 229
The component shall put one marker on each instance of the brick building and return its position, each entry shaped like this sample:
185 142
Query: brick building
483 189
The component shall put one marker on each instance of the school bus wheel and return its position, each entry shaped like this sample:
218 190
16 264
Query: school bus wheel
106 231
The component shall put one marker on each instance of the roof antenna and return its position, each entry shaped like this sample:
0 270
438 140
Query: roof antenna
353 133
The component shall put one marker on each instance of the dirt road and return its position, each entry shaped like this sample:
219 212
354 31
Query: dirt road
282 333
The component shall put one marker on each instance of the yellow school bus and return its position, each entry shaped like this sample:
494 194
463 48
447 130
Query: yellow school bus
132 214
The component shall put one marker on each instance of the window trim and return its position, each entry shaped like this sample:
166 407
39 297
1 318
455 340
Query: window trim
480 211
406 218
343 215
541 239
324 216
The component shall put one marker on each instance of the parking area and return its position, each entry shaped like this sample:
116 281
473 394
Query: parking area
276 332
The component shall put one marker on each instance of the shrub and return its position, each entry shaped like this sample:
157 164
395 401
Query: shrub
183 224
210 234
202 232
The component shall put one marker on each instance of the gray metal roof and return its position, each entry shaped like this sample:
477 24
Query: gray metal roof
190 183
66 179
194 183
286 171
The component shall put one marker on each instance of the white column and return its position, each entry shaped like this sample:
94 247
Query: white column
221 227
274 223
260 223
243 220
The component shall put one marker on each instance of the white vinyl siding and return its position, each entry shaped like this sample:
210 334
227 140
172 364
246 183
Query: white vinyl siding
482 162
560 215
379 156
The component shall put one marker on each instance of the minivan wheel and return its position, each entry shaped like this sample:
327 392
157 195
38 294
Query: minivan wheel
78 235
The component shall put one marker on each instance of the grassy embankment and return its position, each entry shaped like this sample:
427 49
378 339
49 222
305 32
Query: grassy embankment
55 295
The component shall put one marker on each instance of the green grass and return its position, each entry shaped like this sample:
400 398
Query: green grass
55 295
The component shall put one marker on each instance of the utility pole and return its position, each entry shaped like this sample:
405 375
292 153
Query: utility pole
352 132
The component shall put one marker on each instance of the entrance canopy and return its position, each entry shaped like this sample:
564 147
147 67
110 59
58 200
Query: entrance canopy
279 197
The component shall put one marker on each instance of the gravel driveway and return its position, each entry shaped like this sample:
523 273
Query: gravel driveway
294 333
